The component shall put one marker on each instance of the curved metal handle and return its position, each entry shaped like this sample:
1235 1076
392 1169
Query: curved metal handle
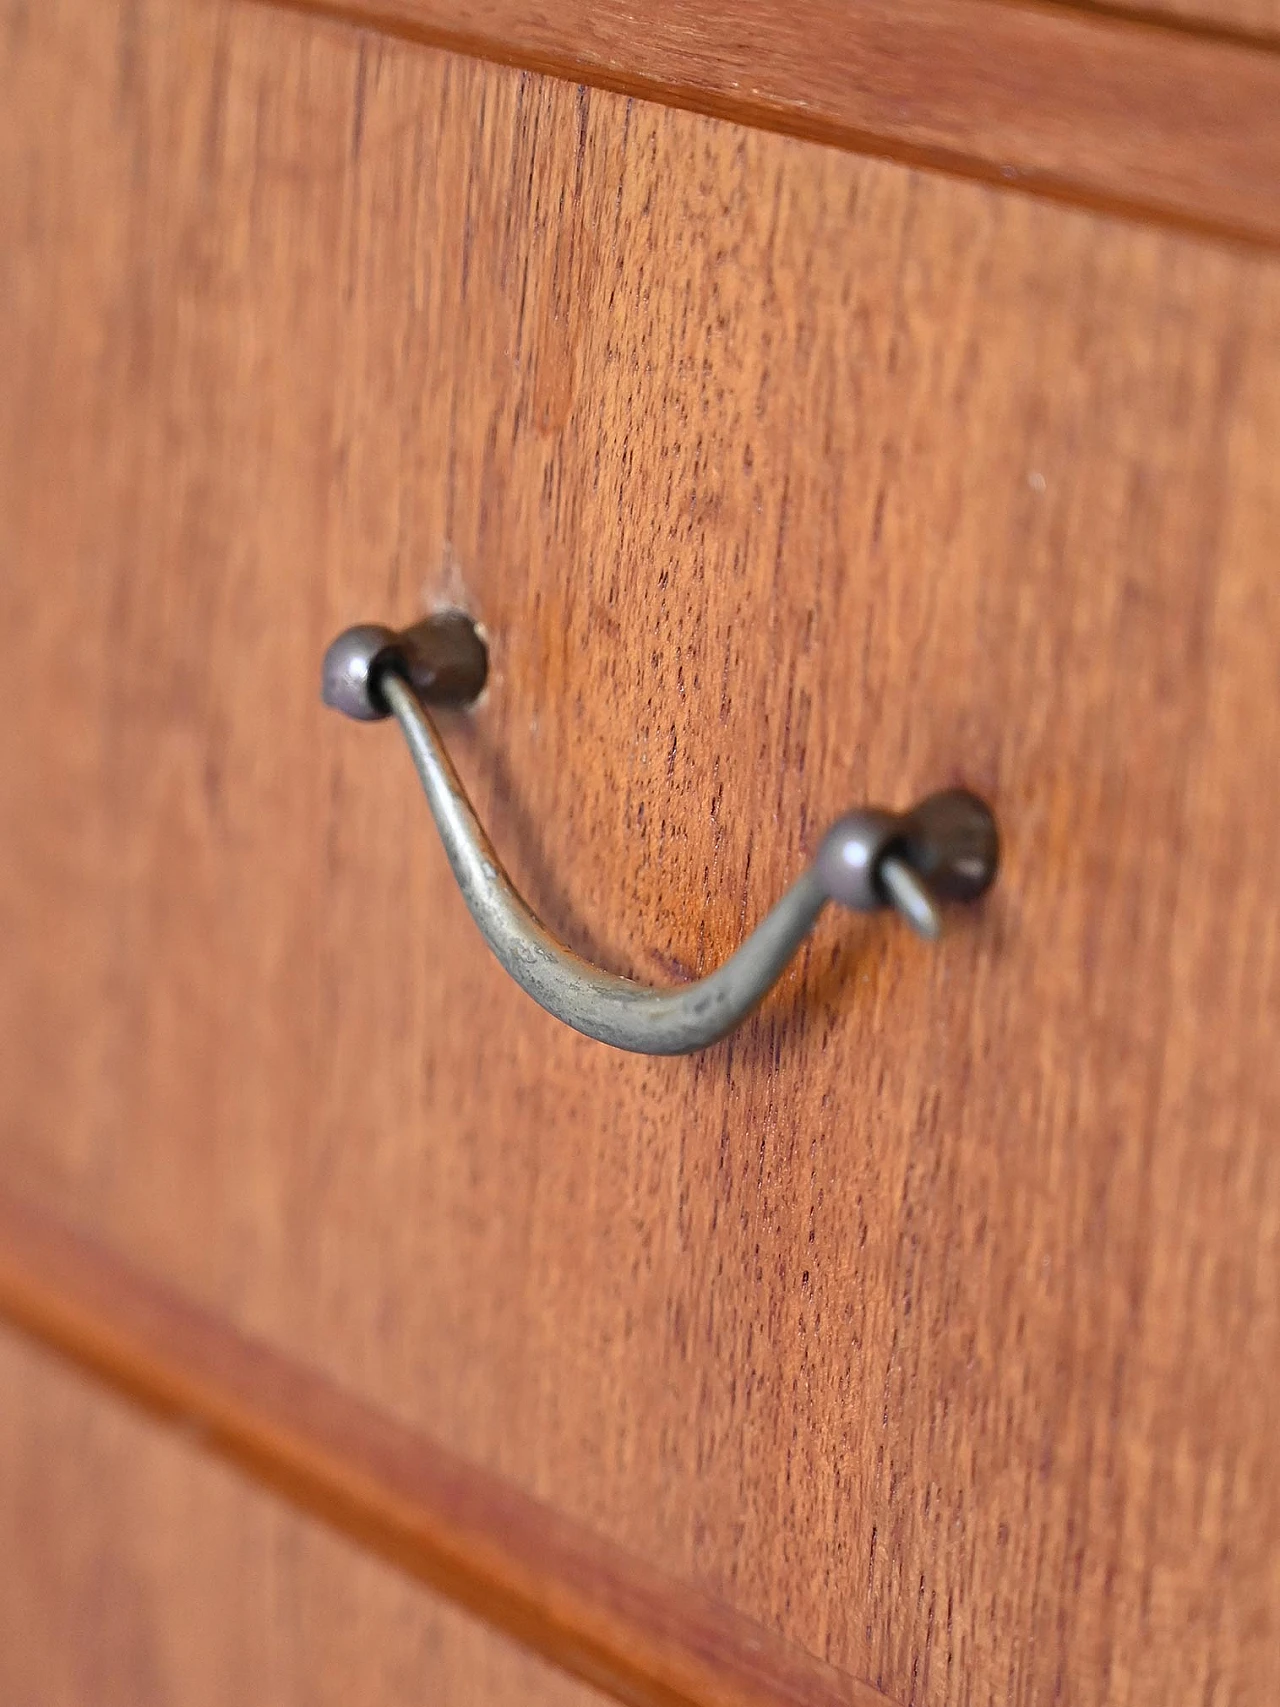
945 848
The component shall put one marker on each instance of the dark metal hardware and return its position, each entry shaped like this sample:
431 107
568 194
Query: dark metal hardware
944 849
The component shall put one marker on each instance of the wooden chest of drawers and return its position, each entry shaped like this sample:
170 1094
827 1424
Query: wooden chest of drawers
927 1328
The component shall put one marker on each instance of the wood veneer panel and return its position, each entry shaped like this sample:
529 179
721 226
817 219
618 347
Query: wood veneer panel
1064 103
520 1566
1250 22
930 1321
140 1573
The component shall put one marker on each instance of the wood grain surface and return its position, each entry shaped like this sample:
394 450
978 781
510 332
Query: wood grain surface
521 1566
1081 106
1256 22
932 1320
139 1573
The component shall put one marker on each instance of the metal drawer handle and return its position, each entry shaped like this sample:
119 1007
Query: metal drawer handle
946 848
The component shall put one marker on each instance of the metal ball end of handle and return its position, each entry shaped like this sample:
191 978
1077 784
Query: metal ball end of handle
946 848
443 657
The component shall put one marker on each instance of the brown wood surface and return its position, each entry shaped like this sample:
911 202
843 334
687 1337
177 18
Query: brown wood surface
521 1566
139 1573
1251 21
1075 105
932 1321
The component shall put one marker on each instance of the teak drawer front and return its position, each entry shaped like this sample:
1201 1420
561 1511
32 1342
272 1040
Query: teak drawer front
136 1572
932 1319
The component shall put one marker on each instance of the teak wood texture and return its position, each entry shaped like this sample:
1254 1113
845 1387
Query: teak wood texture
136 1570
932 1321
524 1568
1065 103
